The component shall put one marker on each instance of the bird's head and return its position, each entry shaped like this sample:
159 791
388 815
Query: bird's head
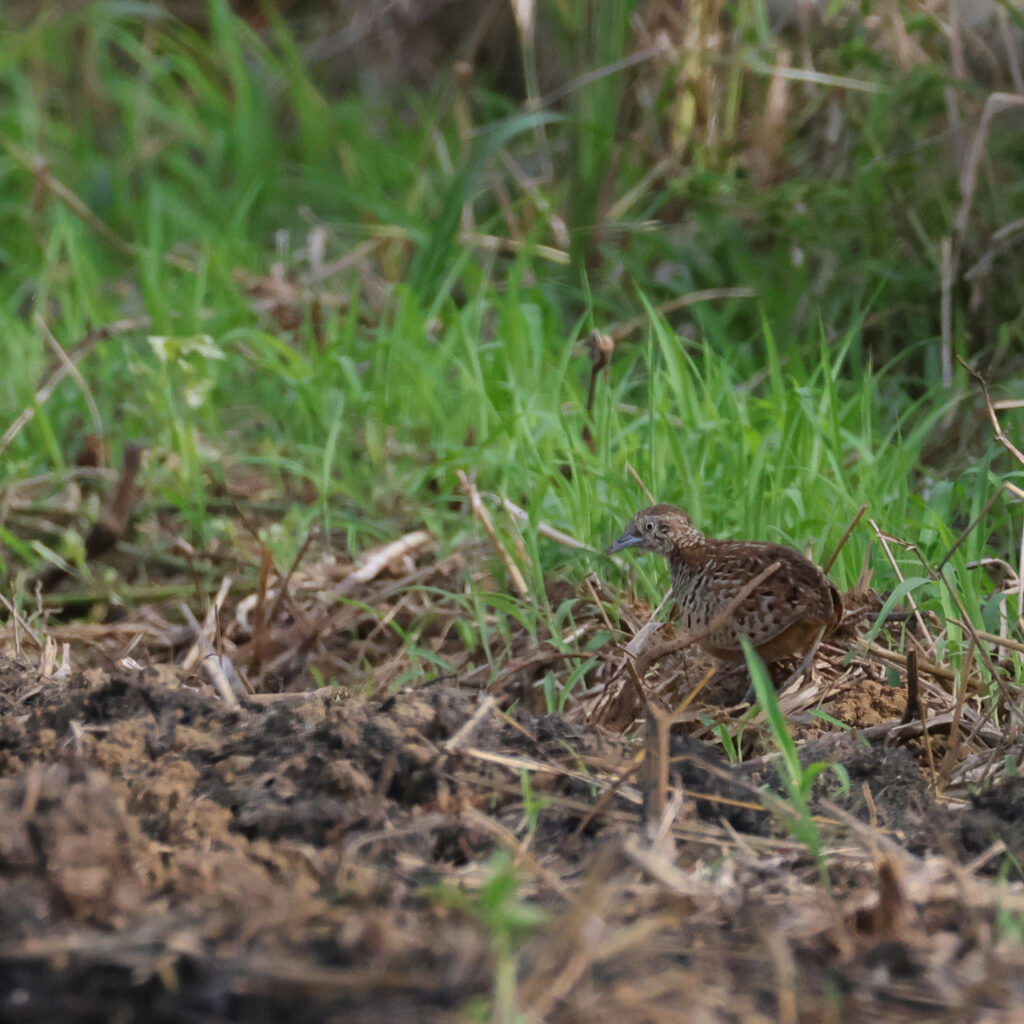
660 528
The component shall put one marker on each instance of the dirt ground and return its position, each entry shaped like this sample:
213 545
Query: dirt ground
337 798
326 857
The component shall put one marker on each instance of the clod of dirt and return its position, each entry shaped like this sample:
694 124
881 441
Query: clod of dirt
164 857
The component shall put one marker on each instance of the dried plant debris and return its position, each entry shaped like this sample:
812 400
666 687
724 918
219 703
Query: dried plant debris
326 789
166 856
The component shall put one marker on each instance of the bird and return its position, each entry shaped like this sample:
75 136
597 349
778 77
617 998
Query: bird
784 614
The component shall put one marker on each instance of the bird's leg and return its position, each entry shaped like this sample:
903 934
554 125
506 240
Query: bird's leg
804 668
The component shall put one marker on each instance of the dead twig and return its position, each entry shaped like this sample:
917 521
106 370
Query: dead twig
884 541
70 366
565 539
654 779
845 537
46 182
990 409
601 348
638 480
914 705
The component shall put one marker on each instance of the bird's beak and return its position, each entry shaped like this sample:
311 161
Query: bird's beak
627 540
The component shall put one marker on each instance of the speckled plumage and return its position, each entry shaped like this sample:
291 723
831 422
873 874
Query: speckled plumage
782 615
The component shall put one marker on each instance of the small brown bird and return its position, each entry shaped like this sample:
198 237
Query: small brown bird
782 615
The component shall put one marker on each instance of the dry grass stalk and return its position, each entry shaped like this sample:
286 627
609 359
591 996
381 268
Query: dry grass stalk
558 536
374 562
885 539
207 632
519 851
481 513
210 661
638 323
19 625
459 739
995 104
69 365
55 375
47 183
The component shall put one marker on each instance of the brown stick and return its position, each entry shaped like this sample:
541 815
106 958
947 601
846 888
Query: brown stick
845 537
601 348
913 692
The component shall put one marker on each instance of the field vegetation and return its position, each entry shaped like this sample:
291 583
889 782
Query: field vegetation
338 346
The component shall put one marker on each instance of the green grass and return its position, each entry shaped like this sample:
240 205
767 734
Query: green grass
211 180
774 417
797 780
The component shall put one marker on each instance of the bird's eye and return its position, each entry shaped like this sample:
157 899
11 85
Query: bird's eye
649 525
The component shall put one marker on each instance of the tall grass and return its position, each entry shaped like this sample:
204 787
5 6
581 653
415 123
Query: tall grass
216 157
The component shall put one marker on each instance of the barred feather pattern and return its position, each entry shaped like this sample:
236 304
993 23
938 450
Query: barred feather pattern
784 614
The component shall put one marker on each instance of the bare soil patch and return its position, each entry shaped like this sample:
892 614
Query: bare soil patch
323 856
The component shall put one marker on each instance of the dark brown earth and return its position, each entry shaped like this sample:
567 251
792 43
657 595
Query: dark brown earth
323 857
